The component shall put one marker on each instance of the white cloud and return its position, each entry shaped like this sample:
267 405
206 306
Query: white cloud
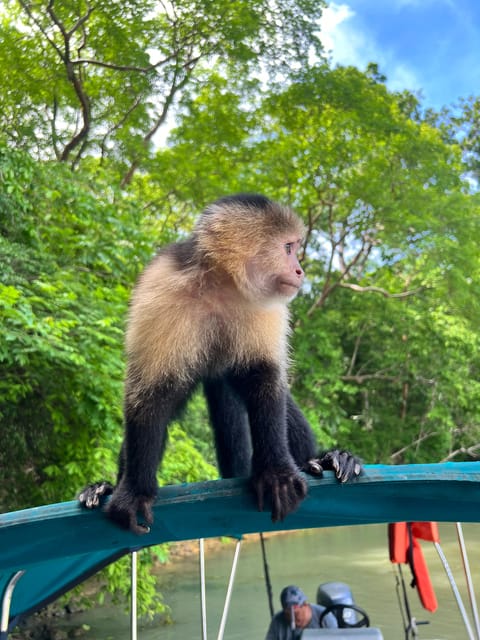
340 40
347 43
332 17
401 77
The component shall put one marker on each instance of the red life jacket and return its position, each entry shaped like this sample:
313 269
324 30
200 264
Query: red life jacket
404 548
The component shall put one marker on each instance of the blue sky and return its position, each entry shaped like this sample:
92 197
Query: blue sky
427 45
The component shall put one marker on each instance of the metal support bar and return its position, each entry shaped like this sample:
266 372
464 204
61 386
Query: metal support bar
6 602
133 597
228 596
468 577
266 571
203 598
456 592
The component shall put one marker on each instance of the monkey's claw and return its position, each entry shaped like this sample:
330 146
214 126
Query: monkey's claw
123 509
313 467
286 489
92 496
345 465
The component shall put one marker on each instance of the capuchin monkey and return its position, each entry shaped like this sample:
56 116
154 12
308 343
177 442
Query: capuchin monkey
212 309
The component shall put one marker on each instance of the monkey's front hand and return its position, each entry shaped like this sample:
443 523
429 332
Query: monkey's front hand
286 487
345 465
123 508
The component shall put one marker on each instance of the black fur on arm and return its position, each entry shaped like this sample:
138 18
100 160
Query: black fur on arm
275 473
145 439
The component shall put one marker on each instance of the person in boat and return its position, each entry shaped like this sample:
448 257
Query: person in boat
296 615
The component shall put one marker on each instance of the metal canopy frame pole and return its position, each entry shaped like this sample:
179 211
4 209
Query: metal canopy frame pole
228 596
455 590
133 597
203 597
468 577
6 602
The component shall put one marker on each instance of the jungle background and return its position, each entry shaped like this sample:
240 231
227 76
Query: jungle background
119 122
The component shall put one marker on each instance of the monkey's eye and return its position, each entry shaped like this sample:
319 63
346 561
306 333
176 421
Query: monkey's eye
289 248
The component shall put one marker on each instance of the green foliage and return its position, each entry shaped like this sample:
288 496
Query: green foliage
61 306
182 461
385 337
70 248
391 244
114 584
100 78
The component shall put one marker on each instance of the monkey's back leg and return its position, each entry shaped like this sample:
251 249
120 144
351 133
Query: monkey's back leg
301 440
229 419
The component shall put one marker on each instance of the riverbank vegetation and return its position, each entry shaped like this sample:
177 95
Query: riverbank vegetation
119 122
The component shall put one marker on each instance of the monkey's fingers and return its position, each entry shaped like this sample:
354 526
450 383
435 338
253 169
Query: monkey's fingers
279 496
295 492
138 527
300 487
123 511
313 467
287 493
145 508
287 490
259 486
90 497
345 465
269 482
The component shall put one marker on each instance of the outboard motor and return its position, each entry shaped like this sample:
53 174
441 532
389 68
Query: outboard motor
338 600
339 593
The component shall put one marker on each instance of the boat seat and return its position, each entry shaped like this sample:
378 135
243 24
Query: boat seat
363 633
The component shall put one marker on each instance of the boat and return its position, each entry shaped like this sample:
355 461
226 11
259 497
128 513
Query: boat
45 551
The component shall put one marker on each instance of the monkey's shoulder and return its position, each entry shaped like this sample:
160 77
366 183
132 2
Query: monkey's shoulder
161 280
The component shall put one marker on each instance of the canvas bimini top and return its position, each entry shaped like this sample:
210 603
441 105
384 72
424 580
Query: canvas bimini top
58 546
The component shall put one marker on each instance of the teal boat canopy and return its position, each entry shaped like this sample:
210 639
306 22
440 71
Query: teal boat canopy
58 546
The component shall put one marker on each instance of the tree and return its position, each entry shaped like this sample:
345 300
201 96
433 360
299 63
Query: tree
100 78
390 246
388 216
385 333
70 248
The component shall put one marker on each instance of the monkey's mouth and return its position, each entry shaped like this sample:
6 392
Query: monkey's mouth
292 285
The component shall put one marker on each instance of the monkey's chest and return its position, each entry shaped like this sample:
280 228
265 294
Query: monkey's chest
240 339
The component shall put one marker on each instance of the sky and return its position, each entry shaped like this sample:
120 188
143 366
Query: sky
432 46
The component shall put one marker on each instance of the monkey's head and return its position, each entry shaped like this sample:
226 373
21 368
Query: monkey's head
255 242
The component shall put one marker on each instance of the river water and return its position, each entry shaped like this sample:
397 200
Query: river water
355 555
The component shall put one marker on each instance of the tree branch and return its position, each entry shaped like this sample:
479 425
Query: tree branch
415 443
469 451
174 88
116 67
383 292
26 8
361 378
74 80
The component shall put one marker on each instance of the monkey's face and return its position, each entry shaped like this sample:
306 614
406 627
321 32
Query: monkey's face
275 272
